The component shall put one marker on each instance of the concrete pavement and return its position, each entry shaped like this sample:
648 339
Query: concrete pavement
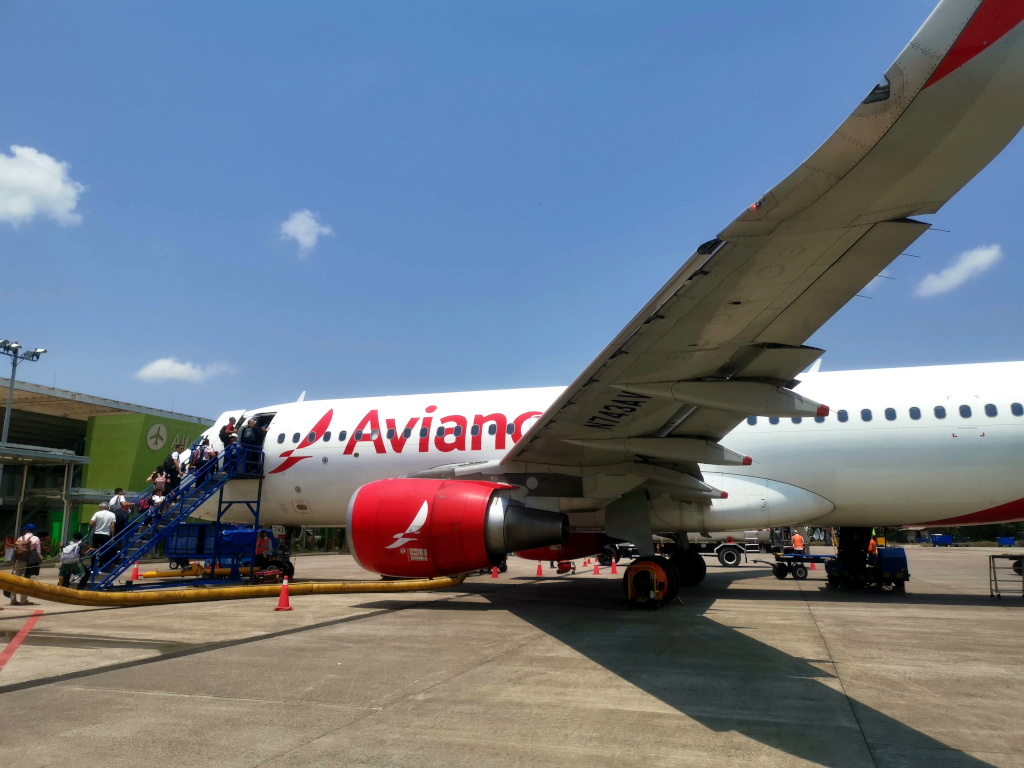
528 671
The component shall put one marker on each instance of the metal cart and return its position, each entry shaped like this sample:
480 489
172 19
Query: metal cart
1005 570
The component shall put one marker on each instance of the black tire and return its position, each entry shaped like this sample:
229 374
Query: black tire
780 570
690 566
730 557
1017 568
604 559
641 581
503 567
799 571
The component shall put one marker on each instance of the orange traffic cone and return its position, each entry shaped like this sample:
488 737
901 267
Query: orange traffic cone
814 567
615 569
494 572
135 572
540 569
282 603
597 568
586 562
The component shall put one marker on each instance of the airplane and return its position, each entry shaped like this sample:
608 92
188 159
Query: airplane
440 484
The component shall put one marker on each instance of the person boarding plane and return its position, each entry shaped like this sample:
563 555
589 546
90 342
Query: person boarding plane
693 417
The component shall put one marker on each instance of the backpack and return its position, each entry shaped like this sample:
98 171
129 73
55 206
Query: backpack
69 554
169 467
21 548
223 434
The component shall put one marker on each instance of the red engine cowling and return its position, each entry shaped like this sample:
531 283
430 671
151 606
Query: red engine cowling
412 528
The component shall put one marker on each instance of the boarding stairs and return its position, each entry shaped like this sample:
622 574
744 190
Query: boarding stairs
145 531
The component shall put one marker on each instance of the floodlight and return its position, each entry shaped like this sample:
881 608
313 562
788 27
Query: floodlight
5 343
14 345
38 351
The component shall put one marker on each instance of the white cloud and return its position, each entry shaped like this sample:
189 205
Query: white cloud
967 265
35 184
171 369
303 228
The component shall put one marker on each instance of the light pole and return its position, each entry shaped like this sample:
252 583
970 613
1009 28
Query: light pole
16 352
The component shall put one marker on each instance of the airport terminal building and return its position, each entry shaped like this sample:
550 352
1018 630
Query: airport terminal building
67 451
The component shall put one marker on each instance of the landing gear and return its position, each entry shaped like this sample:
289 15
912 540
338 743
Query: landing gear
650 582
690 565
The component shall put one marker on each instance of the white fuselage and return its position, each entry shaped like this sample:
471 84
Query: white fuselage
890 470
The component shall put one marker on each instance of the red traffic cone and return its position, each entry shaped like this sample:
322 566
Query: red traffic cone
597 568
586 562
615 569
494 572
135 572
814 567
540 569
282 602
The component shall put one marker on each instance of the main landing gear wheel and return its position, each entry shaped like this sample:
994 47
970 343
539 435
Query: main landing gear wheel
690 565
650 582
780 570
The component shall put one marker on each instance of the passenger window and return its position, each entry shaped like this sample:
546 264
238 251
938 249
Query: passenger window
797 419
820 419
311 437
327 437
458 430
751 420
940 412
773 420
915 413
890 414
991 410
424 432
843 416
406 433
965 411
865 414
474 430
391 434
440 431
280 438
296 437
510 428
375 434
1017 409
492 429
342 435
358 435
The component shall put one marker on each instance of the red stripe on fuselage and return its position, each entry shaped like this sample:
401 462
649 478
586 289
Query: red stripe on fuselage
1011 512
992 20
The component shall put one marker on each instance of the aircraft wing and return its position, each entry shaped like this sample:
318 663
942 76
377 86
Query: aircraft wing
724 337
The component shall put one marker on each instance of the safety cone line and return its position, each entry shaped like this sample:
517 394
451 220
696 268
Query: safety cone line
282 602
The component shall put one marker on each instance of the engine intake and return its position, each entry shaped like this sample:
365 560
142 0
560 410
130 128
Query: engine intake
411 527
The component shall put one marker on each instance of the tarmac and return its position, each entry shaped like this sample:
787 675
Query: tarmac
525 671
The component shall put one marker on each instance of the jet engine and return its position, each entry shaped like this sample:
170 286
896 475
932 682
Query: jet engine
415 528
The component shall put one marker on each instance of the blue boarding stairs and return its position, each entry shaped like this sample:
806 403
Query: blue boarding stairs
145 531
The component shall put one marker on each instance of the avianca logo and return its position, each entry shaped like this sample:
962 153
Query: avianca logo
410 533
316 433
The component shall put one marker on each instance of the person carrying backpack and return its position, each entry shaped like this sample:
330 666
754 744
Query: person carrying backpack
71 563
28 553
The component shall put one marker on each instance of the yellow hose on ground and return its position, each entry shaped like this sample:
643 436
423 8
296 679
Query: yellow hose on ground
30 588
196 569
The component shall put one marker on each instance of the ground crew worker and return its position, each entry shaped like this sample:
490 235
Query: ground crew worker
872 550
798 543
262 549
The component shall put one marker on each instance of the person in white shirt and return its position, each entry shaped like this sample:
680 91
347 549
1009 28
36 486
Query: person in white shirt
118 502
102 526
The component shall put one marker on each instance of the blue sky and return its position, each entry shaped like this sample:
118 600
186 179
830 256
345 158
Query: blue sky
505 184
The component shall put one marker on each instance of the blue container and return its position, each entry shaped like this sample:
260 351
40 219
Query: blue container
1006 541
941 539
892 562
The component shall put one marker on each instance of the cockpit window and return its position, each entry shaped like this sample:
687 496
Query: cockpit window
879 93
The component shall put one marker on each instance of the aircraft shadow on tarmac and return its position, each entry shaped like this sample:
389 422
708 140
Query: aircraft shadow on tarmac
713 673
